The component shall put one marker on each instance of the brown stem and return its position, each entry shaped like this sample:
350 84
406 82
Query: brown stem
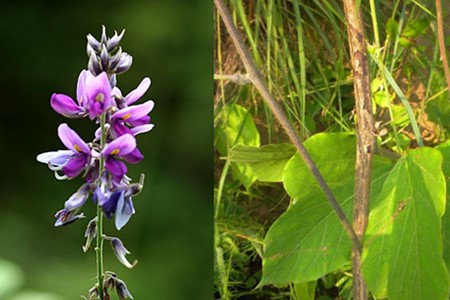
440 27
256 78
365 137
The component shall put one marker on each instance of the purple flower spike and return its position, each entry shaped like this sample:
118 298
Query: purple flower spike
120 147
98 93
137 93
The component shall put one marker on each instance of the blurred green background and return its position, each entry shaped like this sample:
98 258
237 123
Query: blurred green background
42 51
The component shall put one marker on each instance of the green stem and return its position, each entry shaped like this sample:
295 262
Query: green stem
99 244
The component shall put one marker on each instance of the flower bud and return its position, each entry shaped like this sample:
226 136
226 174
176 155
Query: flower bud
122 290
104 58
94 66
125 63
115 59
93 44
120 251
65 217
114 41
93 293
90 234
110 280
104 38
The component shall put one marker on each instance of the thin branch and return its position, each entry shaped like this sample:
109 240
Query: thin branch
440 26
365 136
256 79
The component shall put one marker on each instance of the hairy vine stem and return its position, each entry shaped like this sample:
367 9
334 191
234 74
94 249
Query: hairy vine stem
440 27
256 78
365 137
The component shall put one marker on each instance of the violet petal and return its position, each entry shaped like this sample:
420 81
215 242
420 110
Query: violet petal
120 146
74 166
65 106
137 93
72 140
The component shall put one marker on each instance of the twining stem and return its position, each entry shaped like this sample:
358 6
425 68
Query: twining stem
365 137
99 241
441 39
256 79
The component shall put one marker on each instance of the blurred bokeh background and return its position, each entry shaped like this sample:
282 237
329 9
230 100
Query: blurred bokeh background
42 51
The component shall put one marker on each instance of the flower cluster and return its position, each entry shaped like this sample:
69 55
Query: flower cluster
102 162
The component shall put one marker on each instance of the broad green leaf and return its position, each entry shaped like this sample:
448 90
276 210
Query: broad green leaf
266 162
305 290
308 241
237 128
402 256
444 148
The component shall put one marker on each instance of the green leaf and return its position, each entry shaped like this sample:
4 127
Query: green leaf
308 241
305 290
266 162
402 256
237 128
391 27
415 28
444 148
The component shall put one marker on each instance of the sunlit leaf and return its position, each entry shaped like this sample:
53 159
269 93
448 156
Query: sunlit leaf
266 162
237 128
308 241
444 148
402 257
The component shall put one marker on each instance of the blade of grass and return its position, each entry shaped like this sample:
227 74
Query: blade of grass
402 98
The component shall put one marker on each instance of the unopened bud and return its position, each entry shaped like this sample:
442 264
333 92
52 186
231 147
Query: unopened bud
93 43
104 58
122 290
90 234
114 41
125 63
94 66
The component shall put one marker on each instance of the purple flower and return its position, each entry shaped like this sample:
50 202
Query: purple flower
97 91
133 116
116 149
65 217
71 162
93 97
116 199
69 213
120 251
66 106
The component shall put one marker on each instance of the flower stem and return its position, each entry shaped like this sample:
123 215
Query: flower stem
99 244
